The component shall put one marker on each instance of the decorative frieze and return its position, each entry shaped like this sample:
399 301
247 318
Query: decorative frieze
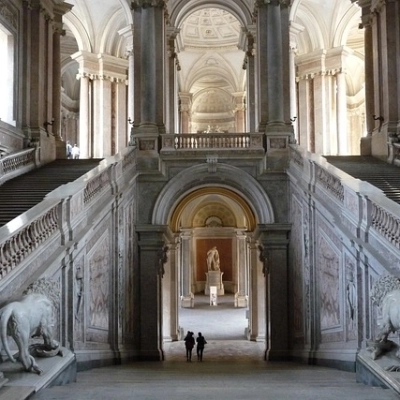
330 183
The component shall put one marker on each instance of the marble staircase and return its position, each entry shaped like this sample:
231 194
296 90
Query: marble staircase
378 173
23 192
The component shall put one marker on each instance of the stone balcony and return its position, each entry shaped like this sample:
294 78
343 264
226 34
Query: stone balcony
197 145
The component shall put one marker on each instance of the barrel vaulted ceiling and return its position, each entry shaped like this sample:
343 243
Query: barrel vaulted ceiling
210 43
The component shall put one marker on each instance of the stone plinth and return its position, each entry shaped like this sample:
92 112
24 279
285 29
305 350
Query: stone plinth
214 278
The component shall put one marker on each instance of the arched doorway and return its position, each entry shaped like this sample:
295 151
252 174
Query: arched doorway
231 211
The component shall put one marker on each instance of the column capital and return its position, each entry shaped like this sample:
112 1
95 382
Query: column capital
148 3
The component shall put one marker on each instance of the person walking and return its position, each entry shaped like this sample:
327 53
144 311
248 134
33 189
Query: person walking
189 344
75 152
201 342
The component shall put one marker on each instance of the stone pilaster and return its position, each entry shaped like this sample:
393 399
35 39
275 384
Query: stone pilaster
185 107
274 79
150 271
249 65
240 112
149 50
273 250
128 34
366 19
186 294
170 292
241 296
257 296
172 67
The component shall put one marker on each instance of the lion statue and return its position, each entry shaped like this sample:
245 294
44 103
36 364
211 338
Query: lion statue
386 295
32 316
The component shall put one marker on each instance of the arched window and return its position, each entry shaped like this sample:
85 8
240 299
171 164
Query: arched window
6 76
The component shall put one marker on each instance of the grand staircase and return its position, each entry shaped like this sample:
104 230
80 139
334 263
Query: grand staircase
378 173
23 192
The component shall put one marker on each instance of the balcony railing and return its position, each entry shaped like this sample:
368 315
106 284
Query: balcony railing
206 141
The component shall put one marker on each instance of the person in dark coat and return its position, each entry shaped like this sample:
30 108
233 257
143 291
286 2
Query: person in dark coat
201 341
189 344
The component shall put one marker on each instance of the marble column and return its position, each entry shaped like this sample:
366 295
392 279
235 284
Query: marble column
262 65
240 112
59 11
257 296
149 50
185 106
84 117
343 142
273 251
150 271
321 113
251 116
172 100
241 298
187 296
275 64
120 130
171 293
128 33
369 79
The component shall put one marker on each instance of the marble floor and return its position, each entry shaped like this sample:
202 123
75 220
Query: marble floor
232 368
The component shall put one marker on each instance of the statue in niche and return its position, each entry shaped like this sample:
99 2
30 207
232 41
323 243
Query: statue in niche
213 259
386 295
32 316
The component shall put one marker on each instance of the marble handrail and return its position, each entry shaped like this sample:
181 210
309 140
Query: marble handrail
60 215
367 205
18 163
205 141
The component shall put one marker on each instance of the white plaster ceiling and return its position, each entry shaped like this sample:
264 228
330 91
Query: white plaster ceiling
209 42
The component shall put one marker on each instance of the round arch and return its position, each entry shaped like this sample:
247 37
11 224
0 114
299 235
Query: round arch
236 7
226 177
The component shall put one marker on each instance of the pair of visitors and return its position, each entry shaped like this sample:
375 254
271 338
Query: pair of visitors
75 152
189 344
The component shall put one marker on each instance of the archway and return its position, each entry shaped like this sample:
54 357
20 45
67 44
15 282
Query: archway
208 212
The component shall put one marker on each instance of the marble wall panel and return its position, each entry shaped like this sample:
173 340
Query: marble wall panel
329 282
296 268
99 278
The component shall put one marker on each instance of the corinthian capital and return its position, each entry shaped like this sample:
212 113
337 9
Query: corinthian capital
148 3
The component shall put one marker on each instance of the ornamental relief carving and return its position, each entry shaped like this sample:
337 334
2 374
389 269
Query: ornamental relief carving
8 15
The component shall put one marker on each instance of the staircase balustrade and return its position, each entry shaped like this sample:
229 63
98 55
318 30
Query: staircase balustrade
51 224
19 163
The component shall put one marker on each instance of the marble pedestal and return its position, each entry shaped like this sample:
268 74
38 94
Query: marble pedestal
214 278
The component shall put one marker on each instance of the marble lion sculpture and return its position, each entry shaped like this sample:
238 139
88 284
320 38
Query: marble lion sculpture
30 317
386 295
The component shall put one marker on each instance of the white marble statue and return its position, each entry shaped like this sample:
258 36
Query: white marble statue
30 317
386 295
213 259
